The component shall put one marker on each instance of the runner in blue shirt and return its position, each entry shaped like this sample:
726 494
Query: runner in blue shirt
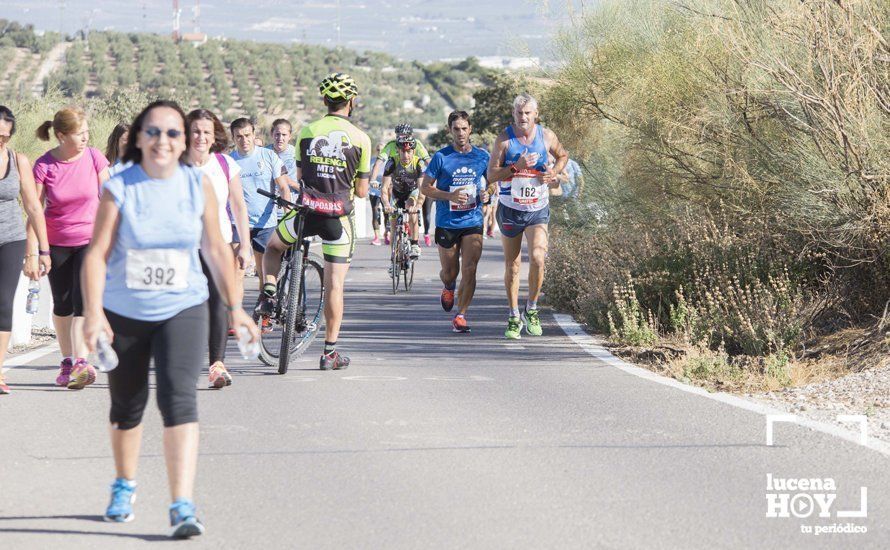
260 169
455 179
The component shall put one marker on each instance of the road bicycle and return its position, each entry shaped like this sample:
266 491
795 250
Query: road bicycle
401 265
298 311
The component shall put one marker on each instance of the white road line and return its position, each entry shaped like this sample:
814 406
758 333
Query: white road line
20 360
574 331
514 346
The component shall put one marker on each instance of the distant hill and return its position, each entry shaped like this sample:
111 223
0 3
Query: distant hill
236 78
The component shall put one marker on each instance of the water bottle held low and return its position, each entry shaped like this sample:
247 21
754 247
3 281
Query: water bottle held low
33 301
249 350
106 359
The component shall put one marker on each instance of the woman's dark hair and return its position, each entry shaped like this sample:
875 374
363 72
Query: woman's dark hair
220 136
458 115
111 151
134 154
6 114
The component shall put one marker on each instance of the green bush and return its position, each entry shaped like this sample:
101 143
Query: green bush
735 165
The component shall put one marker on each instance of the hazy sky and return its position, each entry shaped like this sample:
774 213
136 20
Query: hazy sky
411 29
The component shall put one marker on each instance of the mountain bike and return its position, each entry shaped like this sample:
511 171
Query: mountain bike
299 307
401 265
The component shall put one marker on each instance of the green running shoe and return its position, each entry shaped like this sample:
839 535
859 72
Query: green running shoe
532 322
514 328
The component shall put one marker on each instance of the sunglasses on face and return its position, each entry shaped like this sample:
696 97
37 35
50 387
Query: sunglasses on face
154 132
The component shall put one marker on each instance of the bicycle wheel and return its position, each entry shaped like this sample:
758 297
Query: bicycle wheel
271 333
310 307
395 265
289 313
409 275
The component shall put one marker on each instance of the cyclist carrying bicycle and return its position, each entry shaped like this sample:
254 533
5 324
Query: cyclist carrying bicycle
333 164
401 187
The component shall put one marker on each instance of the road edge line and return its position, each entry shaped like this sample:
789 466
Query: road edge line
573 330
25 358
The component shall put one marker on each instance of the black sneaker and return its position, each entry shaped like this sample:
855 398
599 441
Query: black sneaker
266 306
333 361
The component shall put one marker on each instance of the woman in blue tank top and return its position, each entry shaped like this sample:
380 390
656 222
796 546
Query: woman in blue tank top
150 297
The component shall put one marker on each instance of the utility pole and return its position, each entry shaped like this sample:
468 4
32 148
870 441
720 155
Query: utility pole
176 14
339 24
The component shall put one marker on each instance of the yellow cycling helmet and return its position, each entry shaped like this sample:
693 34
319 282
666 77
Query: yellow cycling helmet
338 87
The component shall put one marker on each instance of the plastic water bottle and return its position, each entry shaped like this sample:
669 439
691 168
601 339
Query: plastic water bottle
105 359
33 302
249 350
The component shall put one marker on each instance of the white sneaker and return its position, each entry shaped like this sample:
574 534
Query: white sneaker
415 251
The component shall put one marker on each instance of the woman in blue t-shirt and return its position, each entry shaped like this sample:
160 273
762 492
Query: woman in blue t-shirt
143 286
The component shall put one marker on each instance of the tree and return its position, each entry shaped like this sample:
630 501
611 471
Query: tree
494 105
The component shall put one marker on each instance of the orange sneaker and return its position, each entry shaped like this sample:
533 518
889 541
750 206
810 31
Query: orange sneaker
447 299
459 324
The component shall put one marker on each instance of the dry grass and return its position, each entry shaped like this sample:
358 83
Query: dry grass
737 176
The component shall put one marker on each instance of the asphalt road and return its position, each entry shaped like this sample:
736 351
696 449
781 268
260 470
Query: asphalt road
436 440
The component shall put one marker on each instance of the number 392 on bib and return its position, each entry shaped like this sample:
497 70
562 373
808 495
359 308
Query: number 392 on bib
157 269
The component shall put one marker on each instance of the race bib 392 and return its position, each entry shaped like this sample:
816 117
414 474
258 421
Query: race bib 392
157 269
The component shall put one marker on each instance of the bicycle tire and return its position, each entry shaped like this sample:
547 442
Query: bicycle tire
395 265
290 316
310 313
409 275
269 344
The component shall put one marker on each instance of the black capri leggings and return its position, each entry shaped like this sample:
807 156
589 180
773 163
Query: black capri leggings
64 279
177 347
376 203
11 257
219 319
427 210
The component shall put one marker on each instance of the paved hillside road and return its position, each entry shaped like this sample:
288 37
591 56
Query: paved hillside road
439 440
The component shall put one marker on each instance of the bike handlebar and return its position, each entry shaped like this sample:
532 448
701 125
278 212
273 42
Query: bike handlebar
281 201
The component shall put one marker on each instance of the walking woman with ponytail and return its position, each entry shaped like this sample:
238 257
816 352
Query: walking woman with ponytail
69 178
16 182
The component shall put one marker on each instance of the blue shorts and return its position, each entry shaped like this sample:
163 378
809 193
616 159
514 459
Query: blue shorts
259 237
513 222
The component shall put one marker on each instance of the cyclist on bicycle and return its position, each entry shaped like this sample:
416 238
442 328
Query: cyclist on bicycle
333 162
391 151
401 187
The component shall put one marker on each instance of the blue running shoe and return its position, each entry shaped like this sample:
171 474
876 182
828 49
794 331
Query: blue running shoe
123 495
183 522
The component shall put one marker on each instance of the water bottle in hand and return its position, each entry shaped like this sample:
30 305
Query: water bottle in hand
105 359
33 301
249 350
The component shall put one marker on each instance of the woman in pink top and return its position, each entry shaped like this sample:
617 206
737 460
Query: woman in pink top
69 179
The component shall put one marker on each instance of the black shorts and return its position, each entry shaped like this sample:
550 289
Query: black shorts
447 237
337 242
400 200
64 279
